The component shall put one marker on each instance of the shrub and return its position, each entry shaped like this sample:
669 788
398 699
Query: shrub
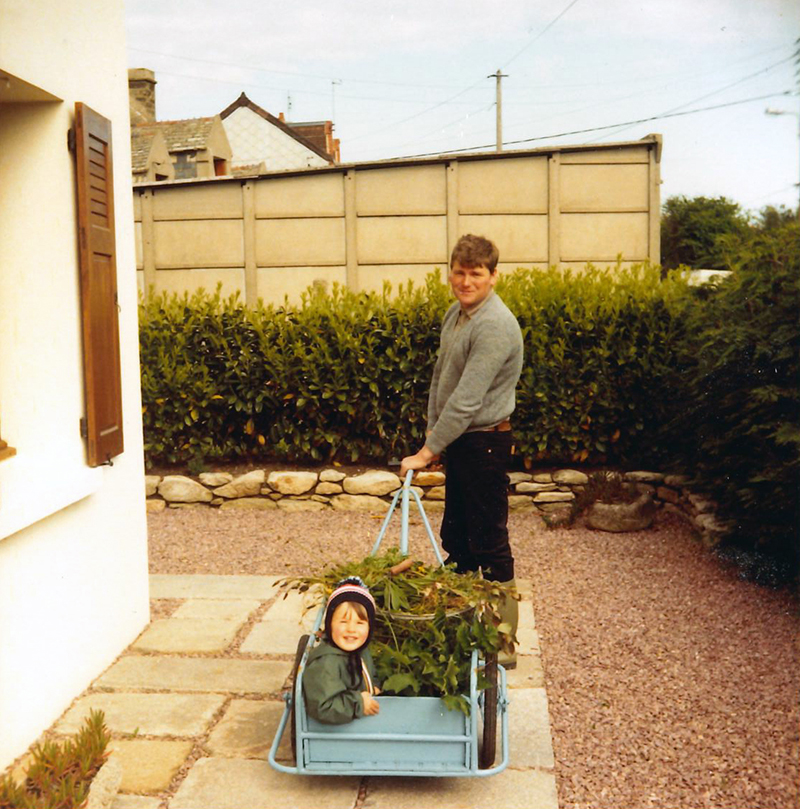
346 376
60 775
597 346
737 394
343 376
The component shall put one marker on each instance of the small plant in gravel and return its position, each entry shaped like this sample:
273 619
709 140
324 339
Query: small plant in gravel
429 621
60 775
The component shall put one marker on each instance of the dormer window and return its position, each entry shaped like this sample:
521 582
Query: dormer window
185 164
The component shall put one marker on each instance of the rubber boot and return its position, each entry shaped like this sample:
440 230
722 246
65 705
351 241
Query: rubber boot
509 614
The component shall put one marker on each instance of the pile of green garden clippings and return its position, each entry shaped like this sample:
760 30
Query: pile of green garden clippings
429 621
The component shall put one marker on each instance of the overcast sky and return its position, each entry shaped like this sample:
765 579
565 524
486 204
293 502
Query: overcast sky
408 77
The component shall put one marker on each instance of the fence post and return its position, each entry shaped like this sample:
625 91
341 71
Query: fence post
453 227
554 210
654 212
351 231
148 246
249 237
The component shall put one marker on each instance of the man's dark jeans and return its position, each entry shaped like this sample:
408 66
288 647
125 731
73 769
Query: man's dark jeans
475 524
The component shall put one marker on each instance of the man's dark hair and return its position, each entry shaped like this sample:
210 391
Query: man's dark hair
475 251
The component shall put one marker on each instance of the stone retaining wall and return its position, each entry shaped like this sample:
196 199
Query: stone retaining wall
538 493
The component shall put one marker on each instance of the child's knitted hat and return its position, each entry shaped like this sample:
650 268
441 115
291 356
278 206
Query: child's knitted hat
351 589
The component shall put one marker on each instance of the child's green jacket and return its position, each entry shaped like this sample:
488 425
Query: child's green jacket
332 694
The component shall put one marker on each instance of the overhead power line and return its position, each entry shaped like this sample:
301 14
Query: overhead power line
732 84
466 90
297 73
540 34
608 126
295 90
717 91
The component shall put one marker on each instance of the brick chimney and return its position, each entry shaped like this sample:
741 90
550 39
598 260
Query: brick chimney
142 95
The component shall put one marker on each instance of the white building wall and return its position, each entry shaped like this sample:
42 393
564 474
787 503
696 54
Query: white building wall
254 139
73 540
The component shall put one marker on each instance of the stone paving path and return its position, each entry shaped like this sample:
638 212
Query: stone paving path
194 702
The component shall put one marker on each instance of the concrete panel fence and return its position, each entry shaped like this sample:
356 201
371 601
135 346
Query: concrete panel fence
274 235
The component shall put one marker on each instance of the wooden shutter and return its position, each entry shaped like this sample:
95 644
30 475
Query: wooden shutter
6 451
98 270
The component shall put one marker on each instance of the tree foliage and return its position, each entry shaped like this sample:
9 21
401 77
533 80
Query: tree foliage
772 218
691 230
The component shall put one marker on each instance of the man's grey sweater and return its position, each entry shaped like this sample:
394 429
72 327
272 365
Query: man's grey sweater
476 373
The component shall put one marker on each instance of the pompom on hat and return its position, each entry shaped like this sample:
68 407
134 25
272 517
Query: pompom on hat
351 589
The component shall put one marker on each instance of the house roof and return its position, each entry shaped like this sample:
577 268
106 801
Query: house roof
188 135
652 141
141 145
319 133
244 101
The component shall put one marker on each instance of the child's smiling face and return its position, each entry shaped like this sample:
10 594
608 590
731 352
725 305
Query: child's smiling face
349 630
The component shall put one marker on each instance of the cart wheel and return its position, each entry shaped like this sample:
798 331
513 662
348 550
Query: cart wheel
489 747
301 647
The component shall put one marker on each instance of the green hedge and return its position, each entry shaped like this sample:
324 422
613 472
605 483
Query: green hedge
341 377
597 346
345 377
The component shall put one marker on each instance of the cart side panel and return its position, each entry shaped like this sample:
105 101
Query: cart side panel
397 739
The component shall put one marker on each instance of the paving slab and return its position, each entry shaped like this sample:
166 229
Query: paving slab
149 714
510 789
528 641
529 741
224 609
282 626
209 586
247 729
188 635
161 673
148 765
526 619
135 802
527 674
230 783
298 607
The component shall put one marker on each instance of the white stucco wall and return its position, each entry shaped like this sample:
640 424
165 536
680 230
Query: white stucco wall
254 139
73 540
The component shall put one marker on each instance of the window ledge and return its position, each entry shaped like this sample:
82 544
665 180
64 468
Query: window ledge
24 502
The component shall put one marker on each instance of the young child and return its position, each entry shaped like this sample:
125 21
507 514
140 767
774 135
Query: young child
338 681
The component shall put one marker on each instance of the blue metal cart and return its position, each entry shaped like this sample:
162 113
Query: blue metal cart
410 735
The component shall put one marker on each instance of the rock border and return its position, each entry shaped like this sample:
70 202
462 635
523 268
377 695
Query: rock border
539 493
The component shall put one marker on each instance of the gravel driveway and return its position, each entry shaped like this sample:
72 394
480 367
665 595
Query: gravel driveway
671 683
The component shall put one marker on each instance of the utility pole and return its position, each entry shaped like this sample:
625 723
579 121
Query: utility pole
499 105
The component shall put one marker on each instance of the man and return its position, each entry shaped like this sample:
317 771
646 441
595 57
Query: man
469 406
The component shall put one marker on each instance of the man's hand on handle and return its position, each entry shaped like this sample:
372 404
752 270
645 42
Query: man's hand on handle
416 462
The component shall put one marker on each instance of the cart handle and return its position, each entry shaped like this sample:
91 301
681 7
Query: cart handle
402 494
279 735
